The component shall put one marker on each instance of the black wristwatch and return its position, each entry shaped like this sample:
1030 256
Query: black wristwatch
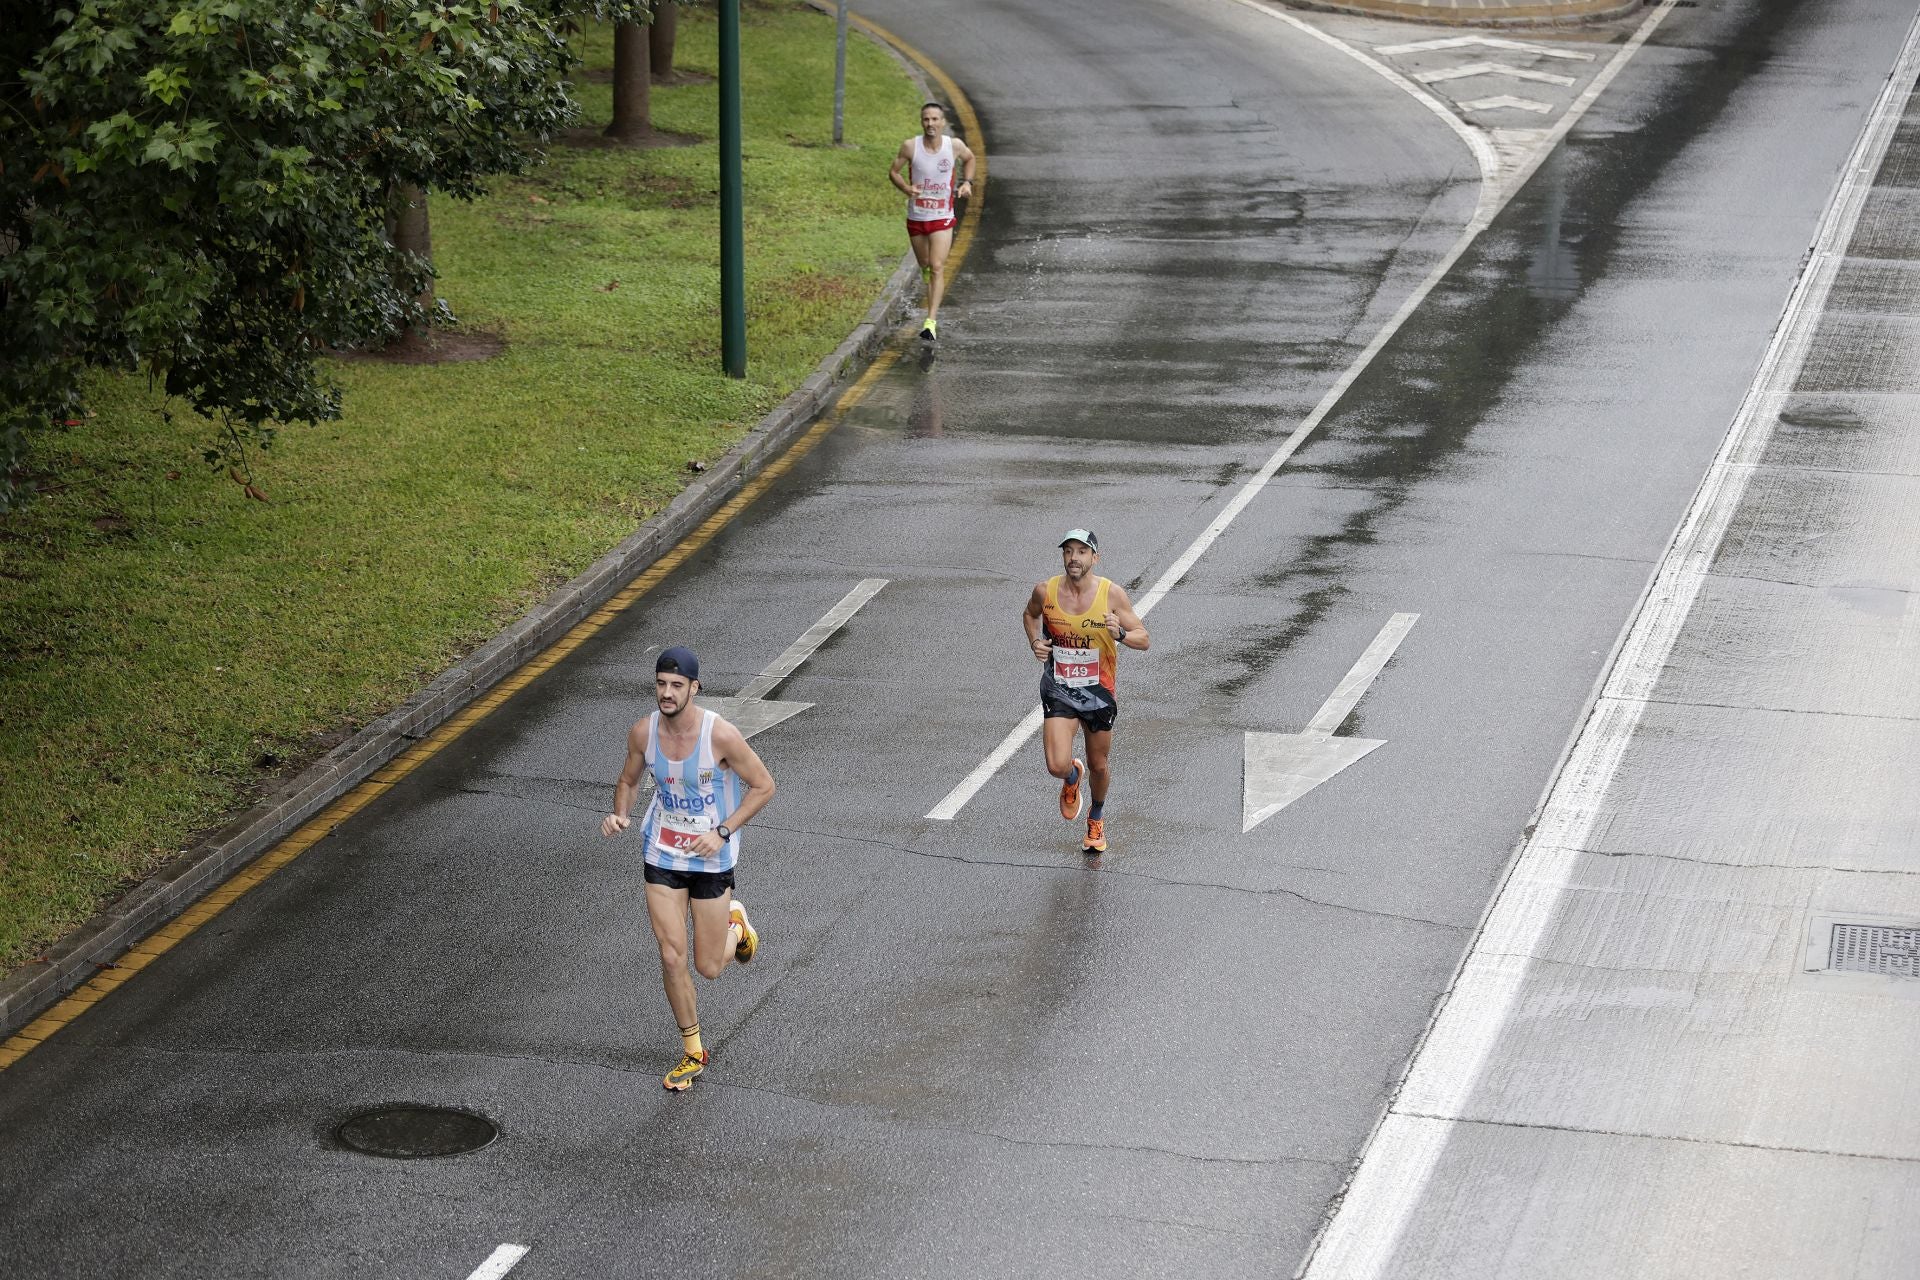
1121 638
724 832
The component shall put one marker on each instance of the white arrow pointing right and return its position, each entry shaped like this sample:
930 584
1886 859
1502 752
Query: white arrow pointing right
1279 768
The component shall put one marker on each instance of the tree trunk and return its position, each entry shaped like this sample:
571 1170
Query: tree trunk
632 87
410 231
666 21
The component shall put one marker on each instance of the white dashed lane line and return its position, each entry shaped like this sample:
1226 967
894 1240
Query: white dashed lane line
499 1262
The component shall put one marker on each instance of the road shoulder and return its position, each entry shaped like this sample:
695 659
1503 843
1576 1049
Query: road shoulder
299 810
1666 1053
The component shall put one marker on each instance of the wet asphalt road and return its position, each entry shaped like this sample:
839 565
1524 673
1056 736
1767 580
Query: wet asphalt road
964 1051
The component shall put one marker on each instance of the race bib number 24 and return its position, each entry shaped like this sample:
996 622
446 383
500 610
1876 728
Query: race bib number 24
679 832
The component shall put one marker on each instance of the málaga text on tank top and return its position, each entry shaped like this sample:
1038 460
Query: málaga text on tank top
933 179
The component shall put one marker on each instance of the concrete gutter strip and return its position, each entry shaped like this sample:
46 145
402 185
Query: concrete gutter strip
1483 13
290 802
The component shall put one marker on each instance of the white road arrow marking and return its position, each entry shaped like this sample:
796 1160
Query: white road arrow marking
1493 69
751 710
1483 42
1507 100
1279 768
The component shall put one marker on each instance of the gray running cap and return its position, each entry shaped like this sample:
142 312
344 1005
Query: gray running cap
1081 535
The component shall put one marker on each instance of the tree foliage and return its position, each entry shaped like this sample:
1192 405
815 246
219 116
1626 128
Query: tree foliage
201 187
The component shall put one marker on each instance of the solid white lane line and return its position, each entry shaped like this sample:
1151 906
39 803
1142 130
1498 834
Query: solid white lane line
816 635
957 798
1353 686
1362 1238
499 1262
1491 201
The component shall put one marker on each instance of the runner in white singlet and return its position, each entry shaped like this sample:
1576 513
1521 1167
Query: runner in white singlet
691 839
923 170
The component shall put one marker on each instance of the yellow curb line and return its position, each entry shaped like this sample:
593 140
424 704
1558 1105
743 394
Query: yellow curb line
316 828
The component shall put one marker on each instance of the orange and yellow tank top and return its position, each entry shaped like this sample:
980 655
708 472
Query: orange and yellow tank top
1084 651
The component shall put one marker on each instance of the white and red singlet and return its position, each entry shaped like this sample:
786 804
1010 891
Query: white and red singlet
931 175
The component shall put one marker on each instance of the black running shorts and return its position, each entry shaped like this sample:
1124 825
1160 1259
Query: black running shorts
1093 706
698 884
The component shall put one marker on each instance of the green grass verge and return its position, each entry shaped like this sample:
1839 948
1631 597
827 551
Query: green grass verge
166 644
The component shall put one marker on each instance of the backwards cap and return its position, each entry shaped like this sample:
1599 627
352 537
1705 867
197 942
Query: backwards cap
677 661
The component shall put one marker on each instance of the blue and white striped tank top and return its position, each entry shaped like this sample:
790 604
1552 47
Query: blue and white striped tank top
691 797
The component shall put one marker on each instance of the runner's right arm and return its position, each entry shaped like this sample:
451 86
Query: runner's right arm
902 158
1033 619
628 787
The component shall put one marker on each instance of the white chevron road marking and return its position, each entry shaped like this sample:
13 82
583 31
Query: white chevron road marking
1482 42
1506 100
1493 69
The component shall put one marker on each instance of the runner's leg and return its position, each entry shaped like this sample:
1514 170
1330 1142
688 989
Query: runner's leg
1098 744
1057 736
922 253
939 244
667 912
712 943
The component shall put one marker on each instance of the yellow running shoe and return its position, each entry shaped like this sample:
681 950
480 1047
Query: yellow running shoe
680 1079
1072 800
929 330
1096 841
749 936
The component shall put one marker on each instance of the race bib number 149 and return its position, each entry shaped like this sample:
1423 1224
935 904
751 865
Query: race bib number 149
1076 668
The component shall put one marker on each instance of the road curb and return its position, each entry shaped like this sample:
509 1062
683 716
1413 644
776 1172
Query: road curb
176 886
1543 13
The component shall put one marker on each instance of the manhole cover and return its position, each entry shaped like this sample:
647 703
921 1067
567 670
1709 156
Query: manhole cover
1873 948
411 1131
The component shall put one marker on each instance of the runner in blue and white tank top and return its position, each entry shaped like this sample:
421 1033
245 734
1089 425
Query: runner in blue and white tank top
708 783
690 798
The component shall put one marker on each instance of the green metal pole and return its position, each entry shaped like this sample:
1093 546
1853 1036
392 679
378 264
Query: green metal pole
733 274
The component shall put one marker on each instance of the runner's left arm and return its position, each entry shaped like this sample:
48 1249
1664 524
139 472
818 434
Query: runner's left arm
1121 615
966 165
731 746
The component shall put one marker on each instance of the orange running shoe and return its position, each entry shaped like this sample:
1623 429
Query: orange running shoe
749 943
1096 841
1072 802
680 1079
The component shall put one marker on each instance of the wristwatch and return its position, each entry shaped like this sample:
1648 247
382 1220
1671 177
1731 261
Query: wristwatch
724 832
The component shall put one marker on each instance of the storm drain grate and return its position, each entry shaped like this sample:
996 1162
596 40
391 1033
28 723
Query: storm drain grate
412 1131
1874 948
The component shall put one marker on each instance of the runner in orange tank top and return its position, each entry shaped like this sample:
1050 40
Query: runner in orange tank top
1076 623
